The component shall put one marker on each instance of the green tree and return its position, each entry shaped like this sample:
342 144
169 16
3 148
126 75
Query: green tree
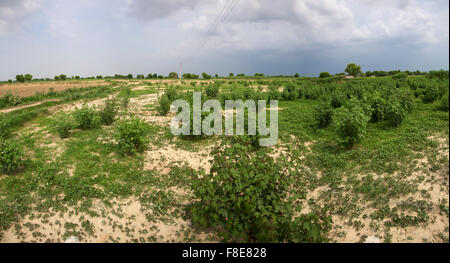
130 76
20 78
28 77
324 75
353 69
206 76
173 75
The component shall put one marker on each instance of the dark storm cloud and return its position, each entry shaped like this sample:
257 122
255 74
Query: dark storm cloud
157 9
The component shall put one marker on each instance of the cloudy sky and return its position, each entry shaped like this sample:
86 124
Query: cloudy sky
90 37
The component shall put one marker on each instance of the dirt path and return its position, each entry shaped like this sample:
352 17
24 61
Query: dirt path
24 106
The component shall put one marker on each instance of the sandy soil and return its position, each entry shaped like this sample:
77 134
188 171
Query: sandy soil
30 89
125 221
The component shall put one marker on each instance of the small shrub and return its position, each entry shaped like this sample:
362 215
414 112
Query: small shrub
164 105
313 92
62 124
171 93
126 99
131 135
4 127
244 197
323 114
431 93
212 90
290 92
395 113
406 99
311 228
351 126
9 99
378 105
86 118
11 157
108 112
402 76
443 106
274 95
337 99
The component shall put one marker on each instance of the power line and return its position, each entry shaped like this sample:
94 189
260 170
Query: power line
221 19
222 16
222 12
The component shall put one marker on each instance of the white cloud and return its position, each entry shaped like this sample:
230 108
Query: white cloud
266 24
14 12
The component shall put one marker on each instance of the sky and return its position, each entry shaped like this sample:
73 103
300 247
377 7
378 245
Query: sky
107 37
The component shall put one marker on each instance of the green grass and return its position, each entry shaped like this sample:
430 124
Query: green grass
72 173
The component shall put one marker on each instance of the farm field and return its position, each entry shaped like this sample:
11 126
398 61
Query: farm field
355 158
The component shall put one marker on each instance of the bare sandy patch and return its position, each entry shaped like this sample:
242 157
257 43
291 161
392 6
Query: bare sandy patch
125 221
30 89
160 159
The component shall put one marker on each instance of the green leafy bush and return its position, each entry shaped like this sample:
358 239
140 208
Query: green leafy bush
126 97
313 92
86 118
11 157
395 113
9 99
443 106
243 196
131 135
323 114
337 99
291 92
4 127
108 112
172 93
324 75
400 76
62 123
351 125
405 98
274 94
164 105
378 105
212 90
311 228
431 93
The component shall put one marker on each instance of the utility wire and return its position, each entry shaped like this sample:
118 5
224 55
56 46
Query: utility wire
223 15
222 12
220 20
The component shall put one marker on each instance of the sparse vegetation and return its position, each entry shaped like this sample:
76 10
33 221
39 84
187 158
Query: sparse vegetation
71 173
131 135
86 118
11 157
62 124
108 112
